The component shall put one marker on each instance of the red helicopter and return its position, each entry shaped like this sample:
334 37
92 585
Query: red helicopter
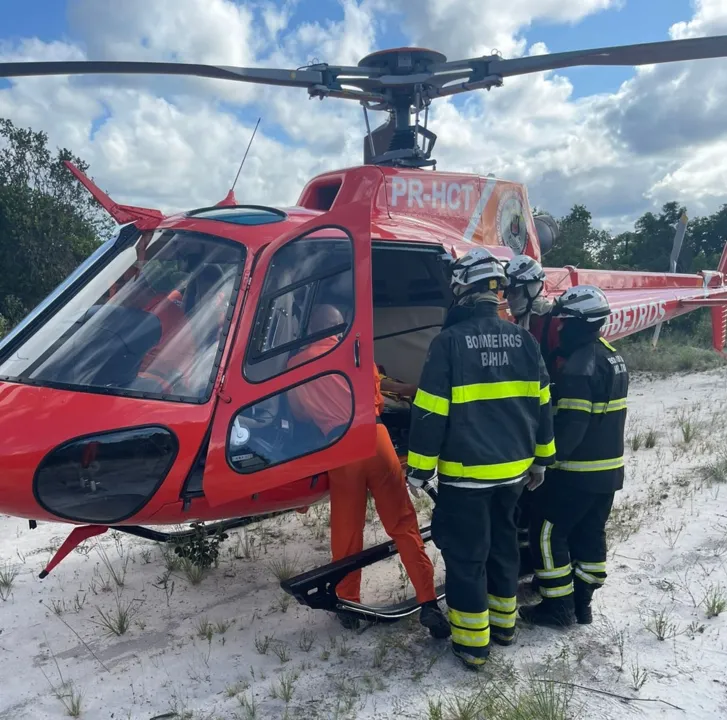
151 387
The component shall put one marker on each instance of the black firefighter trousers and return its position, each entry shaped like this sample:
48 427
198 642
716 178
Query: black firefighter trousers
568 541
475 530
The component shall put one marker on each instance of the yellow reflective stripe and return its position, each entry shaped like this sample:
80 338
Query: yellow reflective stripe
608 344
471 621
590 579
545 395
496 471
592 567
502 620
495 391
556 592
545 450
502 604
574 404
471 639
590 465
431 403
421 462
559 572
610 406
586 406
545 549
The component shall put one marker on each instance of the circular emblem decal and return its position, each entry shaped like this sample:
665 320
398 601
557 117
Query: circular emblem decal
511 226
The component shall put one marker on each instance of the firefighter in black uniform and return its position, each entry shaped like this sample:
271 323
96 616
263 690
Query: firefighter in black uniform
482 420
570 510
526 282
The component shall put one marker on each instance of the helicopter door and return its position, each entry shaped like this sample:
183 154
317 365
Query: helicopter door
298 394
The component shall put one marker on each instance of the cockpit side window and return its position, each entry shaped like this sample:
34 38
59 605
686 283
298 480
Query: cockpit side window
151 321
305 307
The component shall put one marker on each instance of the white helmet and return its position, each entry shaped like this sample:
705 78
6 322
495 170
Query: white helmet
477 267
527 280
524 269
585 302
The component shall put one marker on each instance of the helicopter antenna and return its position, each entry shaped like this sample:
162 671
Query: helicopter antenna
230 199
239 170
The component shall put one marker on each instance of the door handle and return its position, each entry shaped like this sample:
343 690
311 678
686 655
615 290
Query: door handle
357 351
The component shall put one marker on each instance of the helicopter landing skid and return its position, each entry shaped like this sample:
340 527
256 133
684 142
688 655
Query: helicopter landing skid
317 588
84 532
184 535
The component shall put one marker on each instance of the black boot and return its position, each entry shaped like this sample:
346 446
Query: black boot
433 619
470 661
553 612
582 599
502 639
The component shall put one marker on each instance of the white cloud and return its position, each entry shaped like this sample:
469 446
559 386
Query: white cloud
465 28
175 142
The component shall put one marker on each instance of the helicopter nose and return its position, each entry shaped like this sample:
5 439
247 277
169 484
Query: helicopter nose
60 463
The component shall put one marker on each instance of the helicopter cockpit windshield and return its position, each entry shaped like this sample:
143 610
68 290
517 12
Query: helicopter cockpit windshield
149 317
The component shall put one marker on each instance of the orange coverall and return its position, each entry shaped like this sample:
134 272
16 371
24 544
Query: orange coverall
326 401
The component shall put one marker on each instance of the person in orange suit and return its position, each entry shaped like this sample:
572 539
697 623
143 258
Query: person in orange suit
327 402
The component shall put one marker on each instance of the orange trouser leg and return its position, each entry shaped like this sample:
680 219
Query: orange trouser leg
385 478
348 491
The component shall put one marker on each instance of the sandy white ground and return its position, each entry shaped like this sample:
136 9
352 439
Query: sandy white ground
668 551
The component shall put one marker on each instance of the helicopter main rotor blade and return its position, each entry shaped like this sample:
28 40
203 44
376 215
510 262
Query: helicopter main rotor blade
264 76
666 51
384 84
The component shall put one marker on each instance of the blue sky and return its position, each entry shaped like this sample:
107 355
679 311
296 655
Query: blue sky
45 19
637 21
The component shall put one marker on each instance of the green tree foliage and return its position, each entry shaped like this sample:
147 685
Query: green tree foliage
648 248
49 223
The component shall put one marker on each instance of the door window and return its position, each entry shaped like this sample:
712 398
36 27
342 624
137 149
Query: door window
306 305
305 418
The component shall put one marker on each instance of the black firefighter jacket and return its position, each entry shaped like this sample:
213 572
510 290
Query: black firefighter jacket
589 394
482 413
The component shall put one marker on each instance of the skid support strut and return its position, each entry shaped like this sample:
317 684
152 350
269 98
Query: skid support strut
317 588
83 532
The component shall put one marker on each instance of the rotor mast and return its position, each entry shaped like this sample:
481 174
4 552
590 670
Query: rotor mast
399 141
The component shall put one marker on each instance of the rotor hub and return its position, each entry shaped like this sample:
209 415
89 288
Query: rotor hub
403 61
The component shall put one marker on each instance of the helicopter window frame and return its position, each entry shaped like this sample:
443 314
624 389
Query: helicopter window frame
91 270
271 215
254 357
283 391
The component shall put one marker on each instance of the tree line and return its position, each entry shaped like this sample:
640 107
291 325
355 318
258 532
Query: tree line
49 224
